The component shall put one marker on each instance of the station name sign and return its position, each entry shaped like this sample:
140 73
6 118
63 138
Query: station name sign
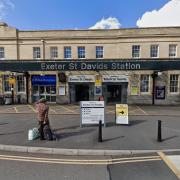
88 65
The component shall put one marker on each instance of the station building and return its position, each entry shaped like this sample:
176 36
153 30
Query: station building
133 66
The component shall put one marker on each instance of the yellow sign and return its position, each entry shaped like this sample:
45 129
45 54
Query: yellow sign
12 81
121 110
134 90
98 82
122 114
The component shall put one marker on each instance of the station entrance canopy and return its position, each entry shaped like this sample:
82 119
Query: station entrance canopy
88 65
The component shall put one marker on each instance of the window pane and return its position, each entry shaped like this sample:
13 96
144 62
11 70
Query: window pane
2 52
20 83
144 83
154 51
174 83
67 52
172 50
36 52
54 52
99 52
136 51
7 86
81 52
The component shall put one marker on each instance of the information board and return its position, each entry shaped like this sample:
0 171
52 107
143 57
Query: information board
92 112
122 114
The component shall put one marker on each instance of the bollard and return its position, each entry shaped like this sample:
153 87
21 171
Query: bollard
159 138
100 131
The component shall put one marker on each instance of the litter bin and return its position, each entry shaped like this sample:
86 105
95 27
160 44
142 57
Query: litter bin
8 100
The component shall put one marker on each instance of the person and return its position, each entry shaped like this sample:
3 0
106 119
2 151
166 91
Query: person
42 116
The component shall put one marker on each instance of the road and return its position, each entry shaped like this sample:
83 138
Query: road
22 166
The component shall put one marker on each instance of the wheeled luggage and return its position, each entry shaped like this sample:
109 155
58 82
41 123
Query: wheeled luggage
48 135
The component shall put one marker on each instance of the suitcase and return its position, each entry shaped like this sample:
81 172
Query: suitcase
48 135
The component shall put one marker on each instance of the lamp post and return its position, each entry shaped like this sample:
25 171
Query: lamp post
154 75
12 82
43 43
27 75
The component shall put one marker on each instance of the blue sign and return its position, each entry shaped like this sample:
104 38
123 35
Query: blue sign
43 80
160 92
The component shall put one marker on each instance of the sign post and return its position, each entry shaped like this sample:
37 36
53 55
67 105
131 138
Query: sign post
122 114
92 112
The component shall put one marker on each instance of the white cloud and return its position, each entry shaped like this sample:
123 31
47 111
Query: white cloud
109 23
168 15
5 5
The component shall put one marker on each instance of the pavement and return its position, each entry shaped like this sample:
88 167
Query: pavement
140 136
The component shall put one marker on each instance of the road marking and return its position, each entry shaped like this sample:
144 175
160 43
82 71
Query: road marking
31 107
169 164
142 110
16 110
80 162
50 109
67 109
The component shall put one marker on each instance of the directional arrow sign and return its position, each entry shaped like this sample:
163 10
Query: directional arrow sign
122 114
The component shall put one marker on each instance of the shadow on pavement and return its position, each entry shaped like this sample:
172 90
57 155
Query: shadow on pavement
65 128
111 139
168 138
18 132
3 123
69 134
136 122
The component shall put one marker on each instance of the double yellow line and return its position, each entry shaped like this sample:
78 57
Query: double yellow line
80 161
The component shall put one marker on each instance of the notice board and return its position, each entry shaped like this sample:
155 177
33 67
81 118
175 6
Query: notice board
92 112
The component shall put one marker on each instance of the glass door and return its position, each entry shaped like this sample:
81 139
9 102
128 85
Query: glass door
47 92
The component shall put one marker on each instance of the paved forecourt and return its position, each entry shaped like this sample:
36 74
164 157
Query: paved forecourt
109 109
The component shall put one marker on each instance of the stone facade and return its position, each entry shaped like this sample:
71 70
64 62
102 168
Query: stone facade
117 44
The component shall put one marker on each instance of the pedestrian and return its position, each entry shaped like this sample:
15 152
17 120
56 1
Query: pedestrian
42 115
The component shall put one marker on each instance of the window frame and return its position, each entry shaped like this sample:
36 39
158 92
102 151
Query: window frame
5 82
134 51
99 52
170 56
83 51
177 83
148 84
151 50
21 80
36 53
67 47
53 51
2 52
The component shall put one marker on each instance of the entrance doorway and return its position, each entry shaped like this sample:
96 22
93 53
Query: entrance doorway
82 92
113 93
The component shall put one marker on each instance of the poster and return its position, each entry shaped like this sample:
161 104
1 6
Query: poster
160 92
134 90
62 90
98 90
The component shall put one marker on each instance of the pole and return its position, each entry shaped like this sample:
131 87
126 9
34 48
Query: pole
27 87
159 138
153 89
12 93
100 131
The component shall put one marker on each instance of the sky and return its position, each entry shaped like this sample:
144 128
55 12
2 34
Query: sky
89 14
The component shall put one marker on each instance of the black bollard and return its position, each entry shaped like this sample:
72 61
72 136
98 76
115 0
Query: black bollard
159 138
100 131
